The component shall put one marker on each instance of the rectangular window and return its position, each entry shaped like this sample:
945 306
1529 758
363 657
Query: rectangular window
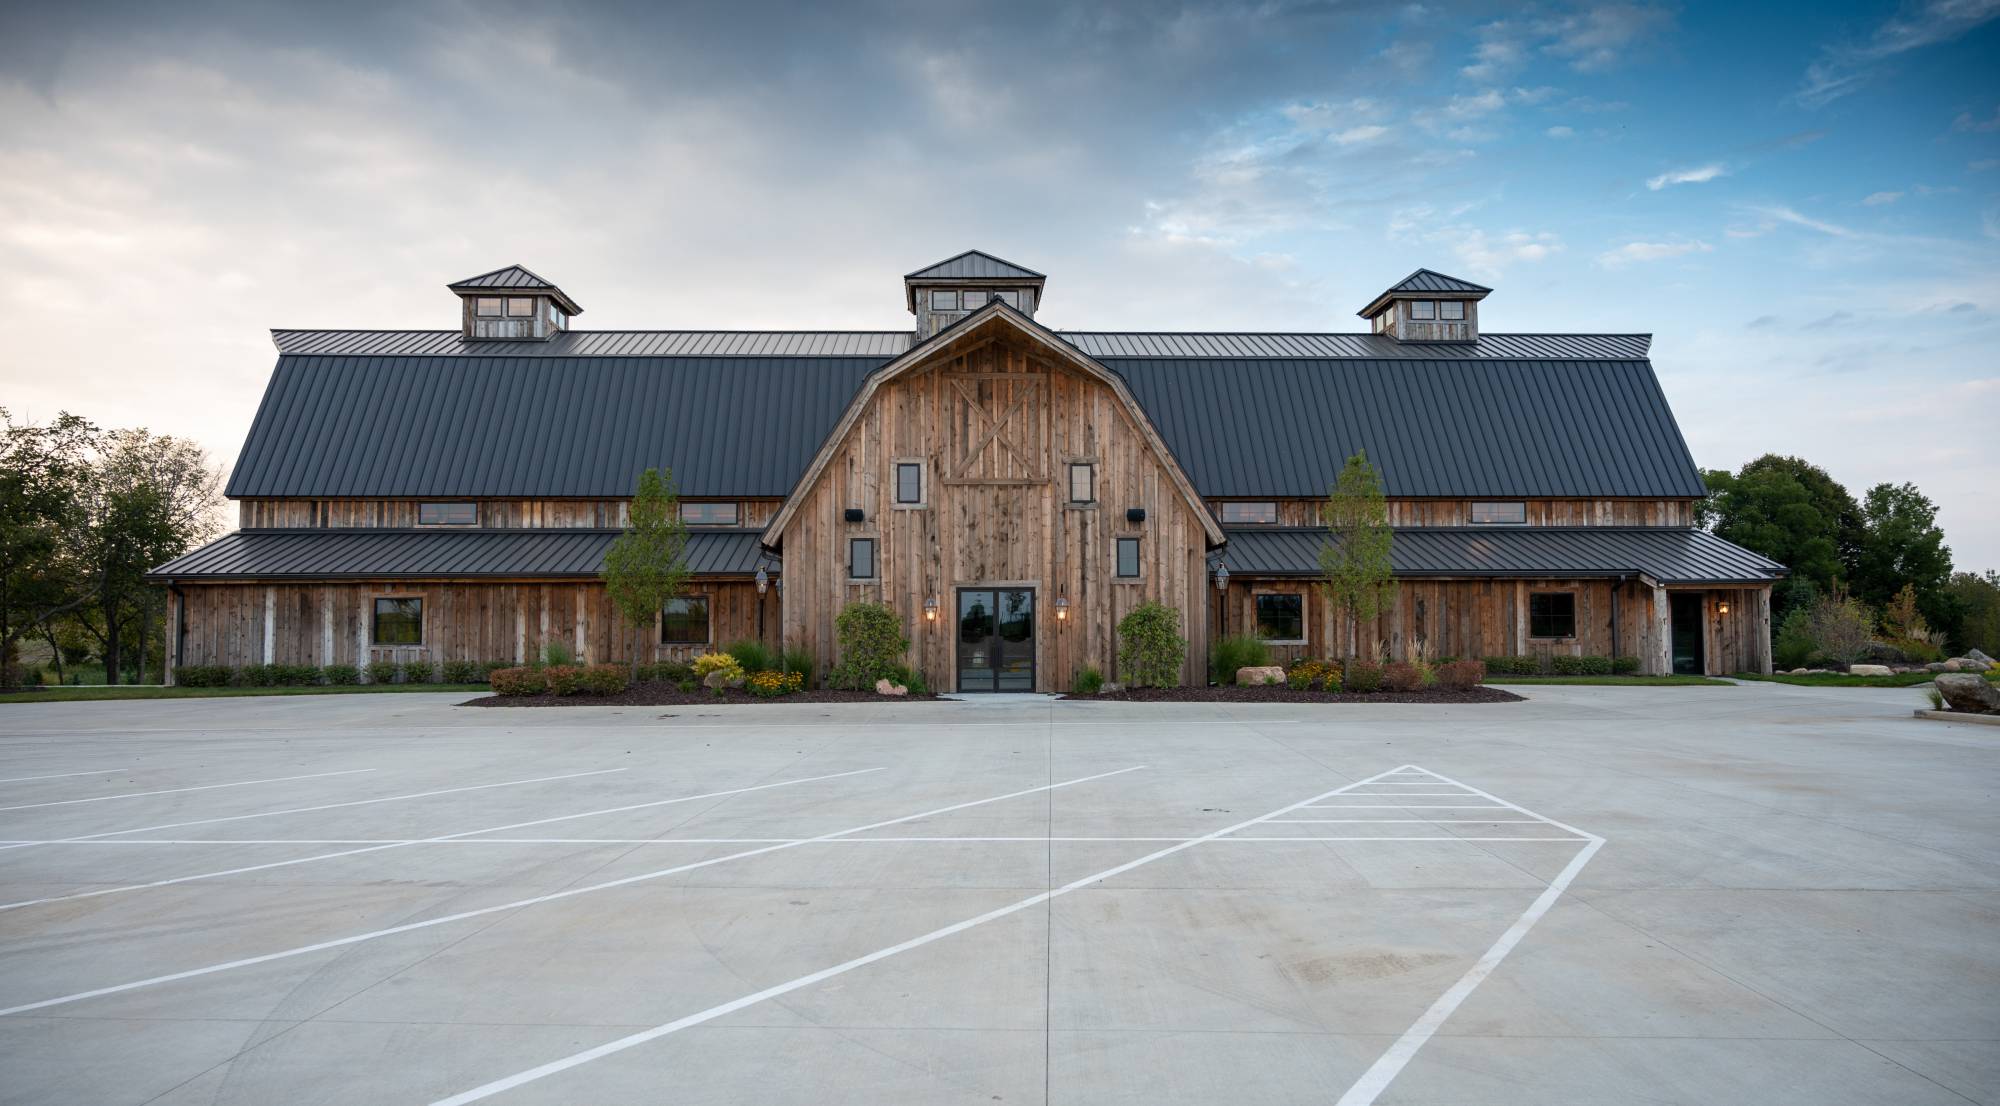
684 621
521 307
488 306
1503 513
1083 482
1011 299
399 621
1423 309
709 514
447 514
909 482
944 301
1281 617
1263 513
861 558
1128 558
1451 309
1551 614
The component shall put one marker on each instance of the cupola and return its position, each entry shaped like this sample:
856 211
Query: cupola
1427 307
513 304
941 294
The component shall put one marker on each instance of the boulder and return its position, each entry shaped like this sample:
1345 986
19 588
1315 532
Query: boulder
1974 654
1969 693
721 678
884 687
1938 666
1967 663
1796 672
1260 675
1869 670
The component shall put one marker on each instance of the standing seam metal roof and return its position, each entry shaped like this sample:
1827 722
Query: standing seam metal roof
509 276
443 554
975 265
1671 555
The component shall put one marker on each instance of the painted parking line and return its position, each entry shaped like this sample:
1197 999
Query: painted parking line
179 790
64 775
569 893
1035 840
384 846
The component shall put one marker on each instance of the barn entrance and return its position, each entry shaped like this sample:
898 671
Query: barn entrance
996 639
1687 617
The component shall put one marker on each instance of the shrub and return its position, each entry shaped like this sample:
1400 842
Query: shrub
202 675
1362 678
1625 666
1402 676
1597 666
1466 673
257 675
419 672
1562 664
800 660
667 672
1309 675
910 679
871 643
1234 652
1088 681
382 672
294 675
563 679
604 679
716 662
1513 666
557 653
753 655
518 681
1839 627
771 683
1150 646
340 675
488 668
463 672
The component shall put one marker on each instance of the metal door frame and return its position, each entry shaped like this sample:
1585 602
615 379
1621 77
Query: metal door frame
1034 656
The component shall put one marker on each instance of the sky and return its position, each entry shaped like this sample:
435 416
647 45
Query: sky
1801 202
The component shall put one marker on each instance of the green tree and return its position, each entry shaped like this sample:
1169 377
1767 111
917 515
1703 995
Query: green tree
45 473
1355 568
1977 596
644 569
1151 649
1789 511
1903 544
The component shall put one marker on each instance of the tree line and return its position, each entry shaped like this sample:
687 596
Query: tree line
84 513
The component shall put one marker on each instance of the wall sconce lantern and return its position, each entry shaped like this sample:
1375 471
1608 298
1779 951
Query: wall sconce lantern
1722 607
1062 608
855 514
763 580
1221 576
930 609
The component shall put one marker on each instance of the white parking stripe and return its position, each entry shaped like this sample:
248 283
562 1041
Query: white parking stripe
178 790
63 775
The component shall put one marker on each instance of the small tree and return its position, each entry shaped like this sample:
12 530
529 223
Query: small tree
643 569
1151 649
872 644
1355 571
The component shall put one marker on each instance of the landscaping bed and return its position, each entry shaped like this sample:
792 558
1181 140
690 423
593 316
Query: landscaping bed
1279 693
82 693
655 693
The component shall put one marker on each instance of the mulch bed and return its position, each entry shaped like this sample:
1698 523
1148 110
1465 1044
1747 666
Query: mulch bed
1271 693
668 695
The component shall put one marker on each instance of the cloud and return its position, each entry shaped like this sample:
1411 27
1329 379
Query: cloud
1632 252
1874 199
1476 105
1842 68
1699 175
1966 122
1983 164
1500 52
1838 318
1595 40
1761 322
1560 132
1477 250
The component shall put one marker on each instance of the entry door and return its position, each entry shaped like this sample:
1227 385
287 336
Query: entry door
1687 636
996 639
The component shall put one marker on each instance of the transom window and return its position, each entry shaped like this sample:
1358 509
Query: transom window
1551 614
1082 482
909 482
399 621
1423 309
709 514
487 306
1257 513
1451 309
684 621
1499 513
861 558
521 307
447 514
1128 558
1281 617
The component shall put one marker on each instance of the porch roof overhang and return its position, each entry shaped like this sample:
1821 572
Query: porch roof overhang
1665 555
404 554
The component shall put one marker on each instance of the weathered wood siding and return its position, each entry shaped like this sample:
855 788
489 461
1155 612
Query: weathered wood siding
497 514
238 624
996 428
1541 512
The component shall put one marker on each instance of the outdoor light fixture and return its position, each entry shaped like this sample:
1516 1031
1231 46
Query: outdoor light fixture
1062 607
763 580
1221 576
930 609
1722 607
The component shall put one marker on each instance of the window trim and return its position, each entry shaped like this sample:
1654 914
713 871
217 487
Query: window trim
1550 592
1430 309
1222 512
896 500
375 622
707 618
1138 559
874 555
1069 481
951 303
1472 506
472 503
735 517
479 304
1305 616
1445 317
513 314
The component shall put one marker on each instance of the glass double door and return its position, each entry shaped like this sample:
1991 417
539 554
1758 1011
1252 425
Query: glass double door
996 639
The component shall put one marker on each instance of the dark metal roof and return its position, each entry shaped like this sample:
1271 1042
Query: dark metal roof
1433 426
541 426
975 265
891 343
515 278
1421 282
1670 555
440 554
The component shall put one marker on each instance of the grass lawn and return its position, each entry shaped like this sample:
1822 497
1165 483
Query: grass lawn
90 693
1841 679
1613 681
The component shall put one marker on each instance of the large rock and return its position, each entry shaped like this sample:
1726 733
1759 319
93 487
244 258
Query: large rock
720 679
1257 676
1967 663
1979 656
1969 693
1938 666
1869 670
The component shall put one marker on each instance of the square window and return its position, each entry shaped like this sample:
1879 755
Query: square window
684 621
944 301
1552 614
1083 483
1503 513
1281 617
1262 513
909 482
447 514
1451 309
521 307
488 306
1423 309
399 621
861 558
1128 558
709 514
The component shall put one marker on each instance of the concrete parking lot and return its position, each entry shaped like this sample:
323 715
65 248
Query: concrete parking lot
1756 894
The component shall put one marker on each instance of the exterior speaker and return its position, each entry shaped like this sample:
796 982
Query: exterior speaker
1135 514
856 514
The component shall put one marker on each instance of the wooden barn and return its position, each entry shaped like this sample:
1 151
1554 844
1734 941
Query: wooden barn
1009 489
